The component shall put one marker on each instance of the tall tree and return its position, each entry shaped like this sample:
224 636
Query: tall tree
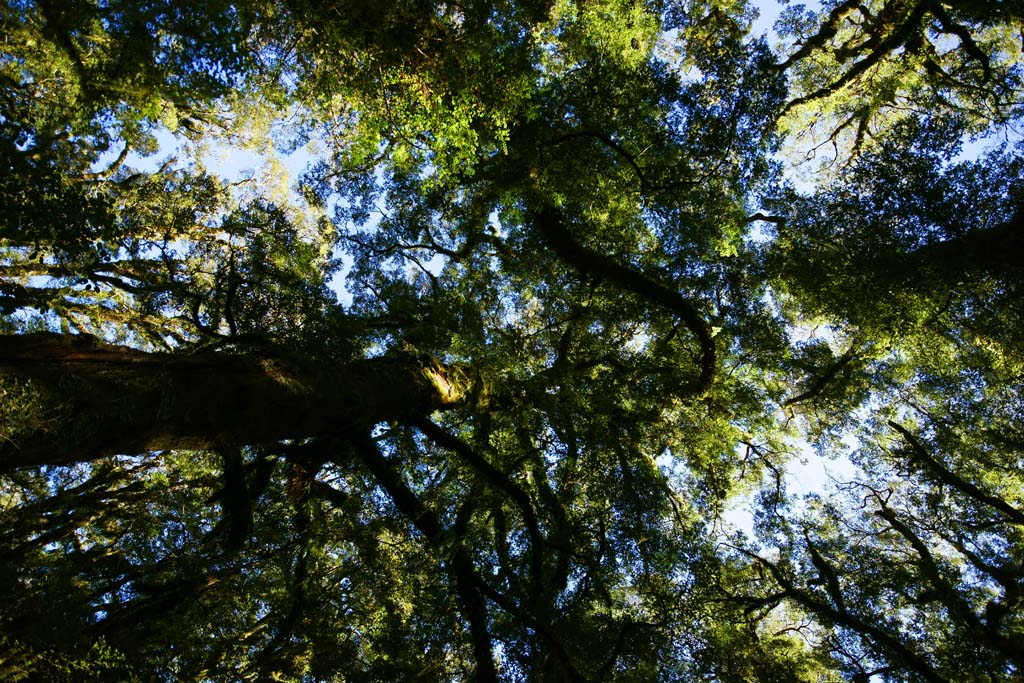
582 316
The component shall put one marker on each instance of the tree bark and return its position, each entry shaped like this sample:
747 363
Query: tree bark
997 251
66 399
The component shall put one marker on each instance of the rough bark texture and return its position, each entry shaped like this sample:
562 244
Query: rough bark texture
67 399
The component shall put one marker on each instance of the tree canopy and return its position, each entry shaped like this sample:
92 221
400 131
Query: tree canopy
562 286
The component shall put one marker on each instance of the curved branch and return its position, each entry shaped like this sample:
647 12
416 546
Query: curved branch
608 142
821 383
497 479
460 565
966 39
827 31
110 170
551 224
898 649
776 220
894 40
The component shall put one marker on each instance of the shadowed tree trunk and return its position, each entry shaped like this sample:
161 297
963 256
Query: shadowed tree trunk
996 251
71 399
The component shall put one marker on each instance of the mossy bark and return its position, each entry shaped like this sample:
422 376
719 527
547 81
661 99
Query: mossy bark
72 398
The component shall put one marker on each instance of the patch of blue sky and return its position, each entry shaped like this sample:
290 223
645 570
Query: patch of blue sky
804 475
768 12
258 170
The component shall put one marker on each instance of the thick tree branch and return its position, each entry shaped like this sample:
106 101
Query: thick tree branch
884 47
821 383
966 39
997 251
947 593
776 220
842 617
827 573
460 565
608 142
110 170
236 506
825 33
79 398
498 480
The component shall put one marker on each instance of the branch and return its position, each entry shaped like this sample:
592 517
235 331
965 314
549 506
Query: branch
235 503
53 26
828 574
201 400
110 170
890 43
777 220
822 382
460 566
550 222
827 31
951 598
844 618
608 142
952 480
997 251
966 40
499 480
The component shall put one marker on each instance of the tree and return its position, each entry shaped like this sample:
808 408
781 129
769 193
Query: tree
859 67
580 323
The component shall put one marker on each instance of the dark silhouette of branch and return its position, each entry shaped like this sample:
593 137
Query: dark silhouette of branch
827 573
608 142
843 617
469 585
551 223
947 594
497 479
110 170
966 40
204 399
946 476
828 30
235 503
777 220
883 48
996 251
822 382
460 565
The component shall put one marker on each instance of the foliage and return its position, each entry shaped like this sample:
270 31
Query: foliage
474 398
859 67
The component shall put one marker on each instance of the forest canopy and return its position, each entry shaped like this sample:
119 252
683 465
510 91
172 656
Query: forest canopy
522 375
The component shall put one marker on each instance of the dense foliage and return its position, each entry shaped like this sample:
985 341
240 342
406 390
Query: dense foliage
562 286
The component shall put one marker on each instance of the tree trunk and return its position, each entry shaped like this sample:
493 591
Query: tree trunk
997 251
66 399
